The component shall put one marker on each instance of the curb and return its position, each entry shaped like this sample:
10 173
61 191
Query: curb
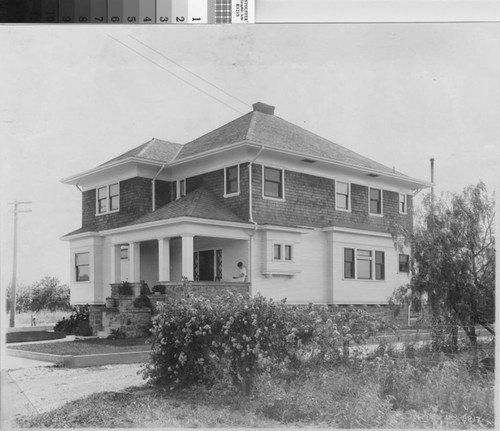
81 361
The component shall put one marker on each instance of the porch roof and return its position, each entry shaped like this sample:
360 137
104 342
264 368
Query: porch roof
201 203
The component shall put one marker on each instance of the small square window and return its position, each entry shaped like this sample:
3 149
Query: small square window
288 252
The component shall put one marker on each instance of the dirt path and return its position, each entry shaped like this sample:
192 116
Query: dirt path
50 387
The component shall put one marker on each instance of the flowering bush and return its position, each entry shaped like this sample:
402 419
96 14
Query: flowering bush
197 339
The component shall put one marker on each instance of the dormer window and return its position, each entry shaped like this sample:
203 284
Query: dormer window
232 181
108 198
273 184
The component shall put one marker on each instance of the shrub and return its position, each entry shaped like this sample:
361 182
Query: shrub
160 288
77 323
125 289
196 339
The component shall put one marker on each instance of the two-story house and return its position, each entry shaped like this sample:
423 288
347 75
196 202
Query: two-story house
309 219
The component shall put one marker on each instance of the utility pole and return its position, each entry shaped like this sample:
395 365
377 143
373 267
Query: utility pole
14 261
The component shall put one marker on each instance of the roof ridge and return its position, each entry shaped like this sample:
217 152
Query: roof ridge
251 126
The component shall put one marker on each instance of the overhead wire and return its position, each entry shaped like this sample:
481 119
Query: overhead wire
175 75
189 71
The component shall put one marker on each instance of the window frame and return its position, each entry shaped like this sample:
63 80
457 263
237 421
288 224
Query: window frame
282 247
180 191
381 213
376 264
407 263
282 173
237 192
348 209
107 199
404 202
78 266
354 264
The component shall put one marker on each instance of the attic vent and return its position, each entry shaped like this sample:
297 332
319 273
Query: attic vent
262 107
308 161
373 175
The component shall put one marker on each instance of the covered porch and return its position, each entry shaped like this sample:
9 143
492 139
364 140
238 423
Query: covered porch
168 255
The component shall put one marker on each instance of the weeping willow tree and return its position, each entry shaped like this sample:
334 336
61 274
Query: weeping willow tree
453 265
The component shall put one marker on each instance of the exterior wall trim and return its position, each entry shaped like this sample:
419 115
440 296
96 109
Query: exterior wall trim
177 220
357 231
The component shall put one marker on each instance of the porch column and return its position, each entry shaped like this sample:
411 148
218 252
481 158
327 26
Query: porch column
187 256
115 266
134 258
164 259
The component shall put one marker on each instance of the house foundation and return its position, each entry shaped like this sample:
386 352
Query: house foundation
125 312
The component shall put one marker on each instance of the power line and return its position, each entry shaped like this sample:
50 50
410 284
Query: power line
175 75
189 71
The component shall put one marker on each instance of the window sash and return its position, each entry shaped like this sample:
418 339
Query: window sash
273 182
342 195
288 252
375 201
232 180
379 265
82 266
277 251
404 263
402 203
108 198
349 263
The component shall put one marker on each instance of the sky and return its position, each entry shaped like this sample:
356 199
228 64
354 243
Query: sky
73 97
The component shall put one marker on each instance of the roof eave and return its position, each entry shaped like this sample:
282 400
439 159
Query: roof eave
176 220
74 179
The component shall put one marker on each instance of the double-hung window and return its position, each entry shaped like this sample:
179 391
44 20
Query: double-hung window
403 209
342 196
273 184
375 201
362 264
82 266
232 180
404 263
108 198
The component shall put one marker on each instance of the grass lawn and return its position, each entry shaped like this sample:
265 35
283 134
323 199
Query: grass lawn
150 408
92 346
443 397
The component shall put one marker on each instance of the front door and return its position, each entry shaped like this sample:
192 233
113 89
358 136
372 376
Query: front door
206 265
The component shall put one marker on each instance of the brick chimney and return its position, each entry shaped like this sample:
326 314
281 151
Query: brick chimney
262 107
